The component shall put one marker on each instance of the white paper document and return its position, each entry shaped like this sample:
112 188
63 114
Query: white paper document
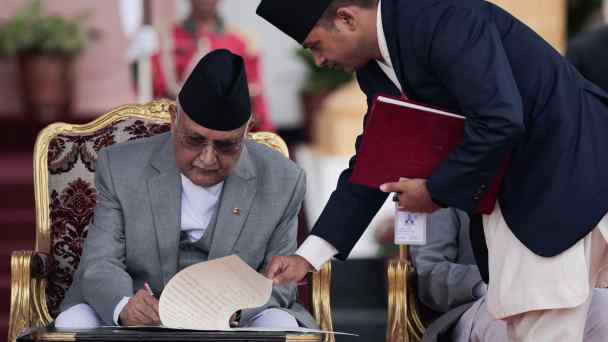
204 296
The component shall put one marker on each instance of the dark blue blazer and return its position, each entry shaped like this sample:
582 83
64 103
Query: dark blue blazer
519 95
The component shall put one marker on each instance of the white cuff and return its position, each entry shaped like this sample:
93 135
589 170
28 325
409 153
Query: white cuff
316 251
119 307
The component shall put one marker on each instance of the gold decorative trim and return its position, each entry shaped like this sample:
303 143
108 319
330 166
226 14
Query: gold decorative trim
70 336
303 338
26 310
271 140
321 305
20 315
397 303
414 321
54 336
404 323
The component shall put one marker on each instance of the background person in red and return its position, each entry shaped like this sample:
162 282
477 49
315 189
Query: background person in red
183 44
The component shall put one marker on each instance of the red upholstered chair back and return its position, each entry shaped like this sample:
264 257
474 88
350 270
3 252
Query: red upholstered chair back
72 195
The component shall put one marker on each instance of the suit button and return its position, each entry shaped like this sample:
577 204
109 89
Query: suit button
476 197
482 187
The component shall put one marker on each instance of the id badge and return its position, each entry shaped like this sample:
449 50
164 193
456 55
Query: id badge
410 228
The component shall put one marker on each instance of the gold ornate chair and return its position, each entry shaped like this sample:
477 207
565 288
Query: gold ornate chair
405 322
64 168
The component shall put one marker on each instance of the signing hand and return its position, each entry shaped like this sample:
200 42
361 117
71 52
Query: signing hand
142 309
287 269
413 195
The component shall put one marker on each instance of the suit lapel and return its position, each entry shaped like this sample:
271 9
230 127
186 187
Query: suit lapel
235 204
389 24
165 196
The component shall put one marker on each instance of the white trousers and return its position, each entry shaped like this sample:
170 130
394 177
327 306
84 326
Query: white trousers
82 316
477 325
542 299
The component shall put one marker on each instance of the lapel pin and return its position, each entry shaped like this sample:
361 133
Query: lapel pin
236 211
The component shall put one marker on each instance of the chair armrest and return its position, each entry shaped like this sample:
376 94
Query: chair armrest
404 322
42 265
321 304
28 300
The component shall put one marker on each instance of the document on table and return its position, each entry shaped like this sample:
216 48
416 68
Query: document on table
204 296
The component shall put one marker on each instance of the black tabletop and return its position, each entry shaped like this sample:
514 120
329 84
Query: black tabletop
161 335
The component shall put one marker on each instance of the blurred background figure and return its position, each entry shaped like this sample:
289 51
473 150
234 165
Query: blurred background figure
588 51
204 30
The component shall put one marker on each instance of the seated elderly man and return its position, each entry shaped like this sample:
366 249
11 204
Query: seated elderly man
199 192
449 282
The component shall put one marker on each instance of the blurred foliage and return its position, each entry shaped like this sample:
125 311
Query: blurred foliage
579 12
320 80
31 32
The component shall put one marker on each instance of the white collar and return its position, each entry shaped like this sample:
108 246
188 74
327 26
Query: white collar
382 38
386 65
198 206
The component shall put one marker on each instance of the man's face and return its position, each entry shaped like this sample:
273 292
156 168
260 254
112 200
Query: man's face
337 47
203 155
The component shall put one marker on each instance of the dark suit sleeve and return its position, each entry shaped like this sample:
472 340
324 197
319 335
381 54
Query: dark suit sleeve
350 208
465 52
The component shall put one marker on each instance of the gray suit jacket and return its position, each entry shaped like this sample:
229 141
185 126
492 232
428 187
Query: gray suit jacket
134 235
446 269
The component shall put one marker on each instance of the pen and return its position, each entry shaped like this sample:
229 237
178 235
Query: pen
148 289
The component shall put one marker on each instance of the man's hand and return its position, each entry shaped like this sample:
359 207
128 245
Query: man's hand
142 309
287 269
413 195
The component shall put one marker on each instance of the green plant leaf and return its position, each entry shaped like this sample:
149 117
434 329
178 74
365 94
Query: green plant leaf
31 32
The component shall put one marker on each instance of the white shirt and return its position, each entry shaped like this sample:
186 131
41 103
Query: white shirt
197 208
314 249
386 64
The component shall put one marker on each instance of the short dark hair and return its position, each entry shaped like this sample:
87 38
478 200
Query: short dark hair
332 10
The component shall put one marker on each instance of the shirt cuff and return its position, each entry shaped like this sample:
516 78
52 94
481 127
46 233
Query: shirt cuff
118 309
316 251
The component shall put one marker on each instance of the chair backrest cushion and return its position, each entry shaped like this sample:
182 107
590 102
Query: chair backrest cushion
71 173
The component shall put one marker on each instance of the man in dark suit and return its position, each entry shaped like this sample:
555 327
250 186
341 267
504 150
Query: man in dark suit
546 235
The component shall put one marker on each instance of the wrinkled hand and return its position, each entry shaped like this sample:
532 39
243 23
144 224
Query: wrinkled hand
413 195
287 269
142 309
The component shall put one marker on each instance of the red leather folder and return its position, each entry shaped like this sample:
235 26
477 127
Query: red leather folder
407 139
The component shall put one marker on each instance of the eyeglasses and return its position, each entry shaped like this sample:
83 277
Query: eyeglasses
220 147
